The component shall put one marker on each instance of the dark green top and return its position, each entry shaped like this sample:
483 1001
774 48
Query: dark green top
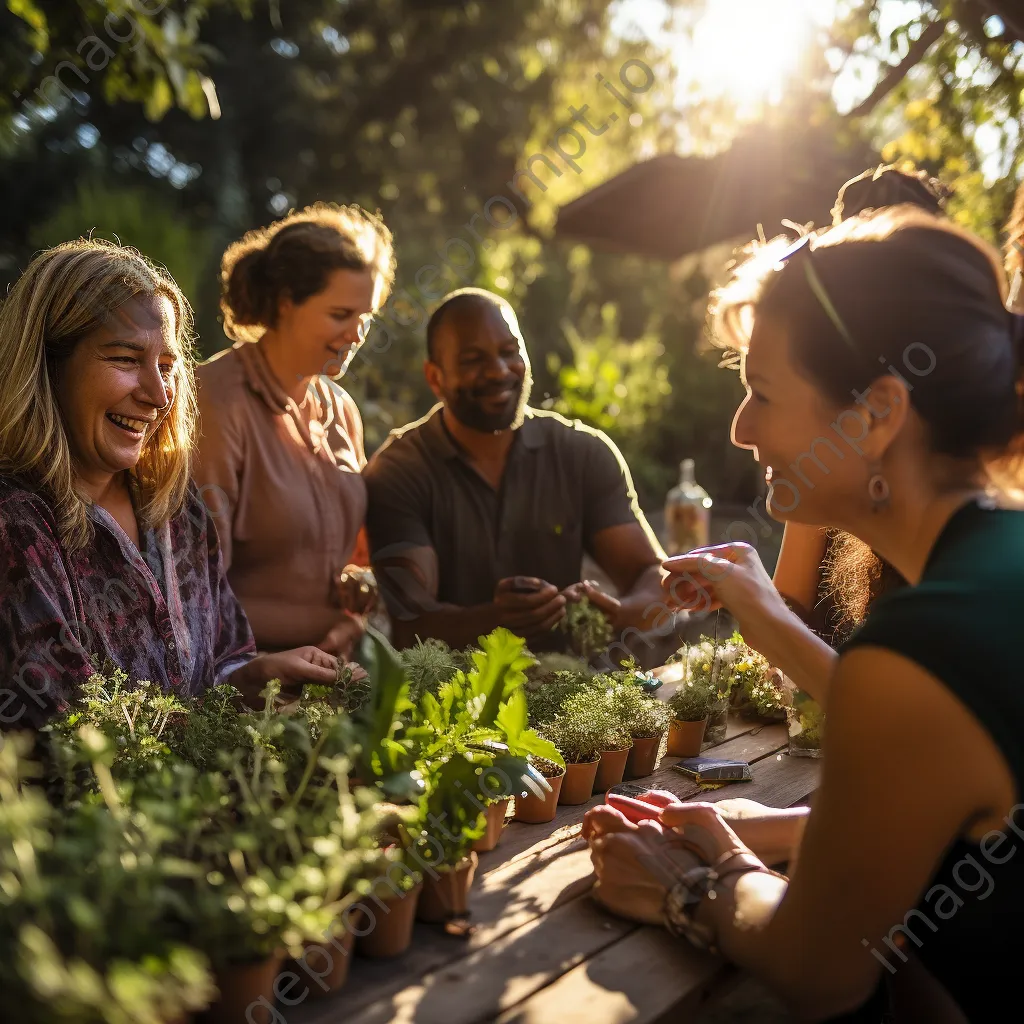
563 483
960 623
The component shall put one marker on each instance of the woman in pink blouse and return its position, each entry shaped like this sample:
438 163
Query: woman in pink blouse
281 447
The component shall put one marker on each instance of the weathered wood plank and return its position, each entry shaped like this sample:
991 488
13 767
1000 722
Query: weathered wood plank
505 972
640 978
502 901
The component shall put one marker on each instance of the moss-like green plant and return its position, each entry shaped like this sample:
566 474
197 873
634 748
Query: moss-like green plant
586 725
588 628
641 715
427 665
545 697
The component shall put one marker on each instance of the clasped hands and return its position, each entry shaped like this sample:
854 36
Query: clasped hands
641 848
532 607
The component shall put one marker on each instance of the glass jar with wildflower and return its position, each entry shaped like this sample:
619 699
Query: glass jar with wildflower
806 725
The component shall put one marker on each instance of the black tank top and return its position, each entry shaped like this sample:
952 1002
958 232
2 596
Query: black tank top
962 623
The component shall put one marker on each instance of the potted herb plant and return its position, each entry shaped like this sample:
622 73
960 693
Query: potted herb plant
645 718
579 731
615 746
474 743
690 707
535 805
388 906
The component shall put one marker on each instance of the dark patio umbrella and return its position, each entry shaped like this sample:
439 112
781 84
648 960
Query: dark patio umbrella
670 206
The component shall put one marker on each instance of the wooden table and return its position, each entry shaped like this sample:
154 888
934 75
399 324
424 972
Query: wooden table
543 951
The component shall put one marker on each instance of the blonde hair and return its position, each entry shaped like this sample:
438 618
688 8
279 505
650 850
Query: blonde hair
65 294
293 257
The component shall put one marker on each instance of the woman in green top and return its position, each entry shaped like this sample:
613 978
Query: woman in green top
878 359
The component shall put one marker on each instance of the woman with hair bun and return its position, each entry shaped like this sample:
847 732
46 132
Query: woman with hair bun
282 443
829 577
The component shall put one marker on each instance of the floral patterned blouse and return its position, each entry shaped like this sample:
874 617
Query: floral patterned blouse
162 611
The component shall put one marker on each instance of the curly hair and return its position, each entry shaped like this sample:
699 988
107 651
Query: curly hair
293 258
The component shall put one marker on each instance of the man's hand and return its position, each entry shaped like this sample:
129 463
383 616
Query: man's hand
528 606
611 606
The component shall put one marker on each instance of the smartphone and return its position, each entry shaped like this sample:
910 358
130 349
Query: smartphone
630 789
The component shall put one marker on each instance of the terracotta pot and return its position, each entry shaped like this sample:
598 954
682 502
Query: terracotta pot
240 987
684 738
538 810
495 823
325 966
610 769
643 757
578 786
390 926
447 896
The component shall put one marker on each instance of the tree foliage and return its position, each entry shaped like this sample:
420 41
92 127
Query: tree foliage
229 112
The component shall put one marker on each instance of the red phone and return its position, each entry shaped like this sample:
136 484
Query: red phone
645 807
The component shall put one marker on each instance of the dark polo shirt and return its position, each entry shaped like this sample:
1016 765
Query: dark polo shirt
564 482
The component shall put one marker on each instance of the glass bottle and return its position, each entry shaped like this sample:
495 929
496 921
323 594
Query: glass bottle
687 513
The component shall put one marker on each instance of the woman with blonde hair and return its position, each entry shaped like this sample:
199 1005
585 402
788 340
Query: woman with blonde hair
108 557
887 334
282 442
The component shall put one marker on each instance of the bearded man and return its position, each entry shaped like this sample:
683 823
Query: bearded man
480 513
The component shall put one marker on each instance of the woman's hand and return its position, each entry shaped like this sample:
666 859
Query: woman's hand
636 864
342 637
728 576
292 668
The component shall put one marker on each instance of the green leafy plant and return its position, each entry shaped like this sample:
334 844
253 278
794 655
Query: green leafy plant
88 897
386 753
474 745
587 627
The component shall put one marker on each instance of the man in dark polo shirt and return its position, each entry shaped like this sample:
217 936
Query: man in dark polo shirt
480 513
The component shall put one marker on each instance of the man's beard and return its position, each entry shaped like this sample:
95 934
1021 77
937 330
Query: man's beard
464 405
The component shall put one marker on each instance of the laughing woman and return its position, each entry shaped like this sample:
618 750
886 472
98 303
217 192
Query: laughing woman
282 444
107 554
909 867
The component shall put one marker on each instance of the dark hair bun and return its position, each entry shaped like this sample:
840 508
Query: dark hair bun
245 294
886 186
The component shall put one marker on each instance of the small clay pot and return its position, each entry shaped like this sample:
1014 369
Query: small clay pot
390 926
643 756
242 985
578 786
610 769
685 738
535 810
325 964
447 895
495 823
